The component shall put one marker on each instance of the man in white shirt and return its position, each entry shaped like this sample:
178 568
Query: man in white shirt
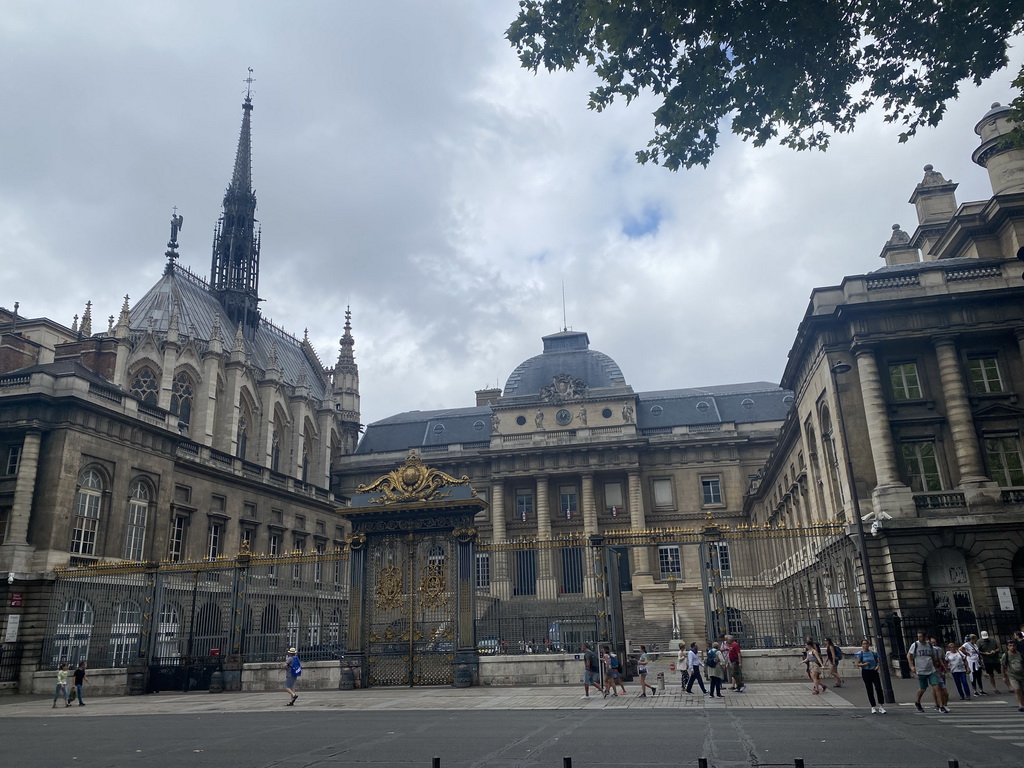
923 655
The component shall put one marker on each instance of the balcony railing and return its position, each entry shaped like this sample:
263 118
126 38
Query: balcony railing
940 500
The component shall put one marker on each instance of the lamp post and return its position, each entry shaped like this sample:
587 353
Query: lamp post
838 369
672 585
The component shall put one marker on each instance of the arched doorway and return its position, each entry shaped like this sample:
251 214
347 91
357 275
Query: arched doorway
950 586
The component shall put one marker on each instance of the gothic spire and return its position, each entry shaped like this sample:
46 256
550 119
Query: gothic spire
346 342
235 271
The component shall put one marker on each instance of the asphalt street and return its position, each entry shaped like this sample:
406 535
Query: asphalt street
771 725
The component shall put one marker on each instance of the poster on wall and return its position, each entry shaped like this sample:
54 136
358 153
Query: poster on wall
1005 598
11 630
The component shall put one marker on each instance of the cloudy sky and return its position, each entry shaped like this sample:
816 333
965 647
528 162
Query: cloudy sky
406 165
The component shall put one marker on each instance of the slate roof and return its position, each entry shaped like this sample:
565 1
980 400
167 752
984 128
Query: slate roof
198 307
68 367
565 352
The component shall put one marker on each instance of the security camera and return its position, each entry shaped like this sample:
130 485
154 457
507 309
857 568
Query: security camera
10 578
876 527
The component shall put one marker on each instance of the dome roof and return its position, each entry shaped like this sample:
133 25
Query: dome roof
566 353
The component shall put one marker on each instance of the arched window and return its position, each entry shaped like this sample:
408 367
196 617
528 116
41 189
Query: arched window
168 631
305 462
135 521
313 630
124 633
87 513
145 385
828 440
182 393
950 585
71 641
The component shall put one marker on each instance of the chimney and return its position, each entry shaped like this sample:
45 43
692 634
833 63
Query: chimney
1003 161
487 396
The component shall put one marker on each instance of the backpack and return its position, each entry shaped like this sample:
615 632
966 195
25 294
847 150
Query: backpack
838 655
296 666
712 658
613 662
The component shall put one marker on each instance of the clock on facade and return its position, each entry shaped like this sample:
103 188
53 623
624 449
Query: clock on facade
563 417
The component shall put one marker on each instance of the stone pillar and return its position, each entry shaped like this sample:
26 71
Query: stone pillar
15 553
958 413
547 587
543 509
589 508
501 585
638 522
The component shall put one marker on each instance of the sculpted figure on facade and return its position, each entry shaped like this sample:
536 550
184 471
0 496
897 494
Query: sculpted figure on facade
563 387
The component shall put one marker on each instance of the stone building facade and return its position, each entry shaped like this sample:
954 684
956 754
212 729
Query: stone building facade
922 362
186 428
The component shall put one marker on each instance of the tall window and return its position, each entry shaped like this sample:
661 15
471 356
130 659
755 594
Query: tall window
13 460
215 540
87 513
711 490
922 466
720 559
669 562
71 641
145 385
572 570
5 522
906 385
984 374
245 422
275 452
168 631
567 501
524 505
483 570
135 521
1004 460
176 544
318 565
124 634
313 630
613 498
662 491
273 549
182 393
293 627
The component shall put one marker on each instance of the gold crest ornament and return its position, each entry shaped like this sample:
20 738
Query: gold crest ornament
413 481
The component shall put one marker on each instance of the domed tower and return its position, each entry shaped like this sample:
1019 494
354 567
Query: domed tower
1003 161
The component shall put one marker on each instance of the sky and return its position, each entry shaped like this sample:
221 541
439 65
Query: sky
406 166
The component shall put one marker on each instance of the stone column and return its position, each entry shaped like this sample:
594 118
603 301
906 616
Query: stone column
25 487
891 495
543 510
501 586
958 413
589 508
547 588
638 522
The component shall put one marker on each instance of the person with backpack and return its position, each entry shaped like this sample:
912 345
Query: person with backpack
293 669
833 655
614 674
591 671
715 672
924 656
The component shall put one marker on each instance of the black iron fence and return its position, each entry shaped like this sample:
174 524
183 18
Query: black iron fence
10 662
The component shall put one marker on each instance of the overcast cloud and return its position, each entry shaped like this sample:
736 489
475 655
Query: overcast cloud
406 165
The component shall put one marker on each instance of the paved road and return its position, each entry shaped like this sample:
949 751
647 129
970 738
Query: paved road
506 727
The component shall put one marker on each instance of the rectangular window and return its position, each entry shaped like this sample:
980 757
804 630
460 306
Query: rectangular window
318 565
524 505
572 571
984 374
273 549
483 570
567 501
719 551
135 530
669 562
182 494
248 536
662 491
176 548
526 572
87 520
5 521
218 504
1004 460
613 498
214 541
13 460
300 523
904 381
922 466
300 546
711 490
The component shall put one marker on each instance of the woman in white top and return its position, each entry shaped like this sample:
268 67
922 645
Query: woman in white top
693 662
956 662
970 650
812 658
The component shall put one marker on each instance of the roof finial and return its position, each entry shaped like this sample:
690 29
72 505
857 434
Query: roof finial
565 324
86 328
248 85
172 245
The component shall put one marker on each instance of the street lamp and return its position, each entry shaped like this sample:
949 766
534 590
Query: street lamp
837 370
673 583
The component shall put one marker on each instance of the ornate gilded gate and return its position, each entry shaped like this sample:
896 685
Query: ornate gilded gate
412 584
412 568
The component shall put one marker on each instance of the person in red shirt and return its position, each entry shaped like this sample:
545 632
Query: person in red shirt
735 654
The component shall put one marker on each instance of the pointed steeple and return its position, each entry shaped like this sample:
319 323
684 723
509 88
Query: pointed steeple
235 270
86 327
346 388
346 342
122 321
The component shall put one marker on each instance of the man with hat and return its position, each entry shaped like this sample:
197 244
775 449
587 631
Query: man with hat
293 668
989 649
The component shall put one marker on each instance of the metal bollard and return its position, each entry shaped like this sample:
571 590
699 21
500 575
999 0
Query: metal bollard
661 681
566 762
954 764
435 763
798 763
702 762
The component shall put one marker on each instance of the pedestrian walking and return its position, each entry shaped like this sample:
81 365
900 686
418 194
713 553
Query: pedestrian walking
923 655
814 662
613 679
693 662
715 665
956 663
833 655
683 666
293 670
970 650
61 692
990 653
735 654
867 660
940 669
1013 671
591 671
80 678
641 669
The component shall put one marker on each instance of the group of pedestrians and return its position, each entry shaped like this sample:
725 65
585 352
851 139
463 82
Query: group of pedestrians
604 672
817 660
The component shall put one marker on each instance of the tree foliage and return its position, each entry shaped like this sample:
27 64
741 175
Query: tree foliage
798 71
